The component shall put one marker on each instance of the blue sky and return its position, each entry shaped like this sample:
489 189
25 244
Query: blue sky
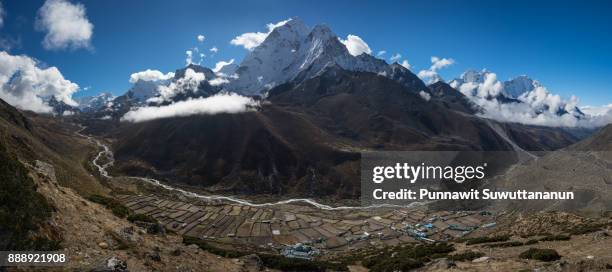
563 44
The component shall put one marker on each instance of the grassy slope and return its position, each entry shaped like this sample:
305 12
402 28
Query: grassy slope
25 137
32 137
22 209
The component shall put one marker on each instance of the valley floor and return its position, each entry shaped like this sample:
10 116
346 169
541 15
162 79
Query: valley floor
228 236
341 233
274 227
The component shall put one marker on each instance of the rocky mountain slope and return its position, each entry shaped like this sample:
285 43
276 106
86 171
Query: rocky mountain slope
320 107
32 137
305 140
450 98
97 239
45 205
599 141
23 210
583 168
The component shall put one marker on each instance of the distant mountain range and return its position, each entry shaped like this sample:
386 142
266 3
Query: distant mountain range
307 138
293 53
95 103
520 90
320 106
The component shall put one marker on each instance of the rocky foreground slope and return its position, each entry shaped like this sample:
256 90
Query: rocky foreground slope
46 205
96 239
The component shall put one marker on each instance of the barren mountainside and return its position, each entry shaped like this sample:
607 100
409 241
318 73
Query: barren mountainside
306 138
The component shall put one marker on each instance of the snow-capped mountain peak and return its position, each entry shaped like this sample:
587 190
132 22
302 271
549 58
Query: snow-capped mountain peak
322 32
473 76
95 103
520 85
520 99
293 49
273 61
512 88
143 90
292 29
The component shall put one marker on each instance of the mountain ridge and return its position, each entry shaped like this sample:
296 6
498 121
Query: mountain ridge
306 139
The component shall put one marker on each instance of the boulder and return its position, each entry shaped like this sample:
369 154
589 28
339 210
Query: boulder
112 264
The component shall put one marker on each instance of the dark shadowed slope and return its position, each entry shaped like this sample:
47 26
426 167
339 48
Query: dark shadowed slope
599 141
305 141
252 152
450 98
24 212
539 138
31 137
306 138
374 111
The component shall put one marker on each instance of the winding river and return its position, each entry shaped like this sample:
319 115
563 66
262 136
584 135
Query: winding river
106 153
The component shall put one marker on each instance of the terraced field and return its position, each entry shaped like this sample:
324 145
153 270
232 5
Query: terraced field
280 225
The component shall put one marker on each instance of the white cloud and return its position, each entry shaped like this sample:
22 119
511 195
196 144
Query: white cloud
218 81
272 26
66 25
428 76
220 103
201 38
431 75
536 107
219 65
214 49
490 87
150 75
426 96
189 82
250 40
525 113
355 45
395 57
439 63
25 85
381 52
541 99
202 57
2 14
597 110
406 64
189 57
193 53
